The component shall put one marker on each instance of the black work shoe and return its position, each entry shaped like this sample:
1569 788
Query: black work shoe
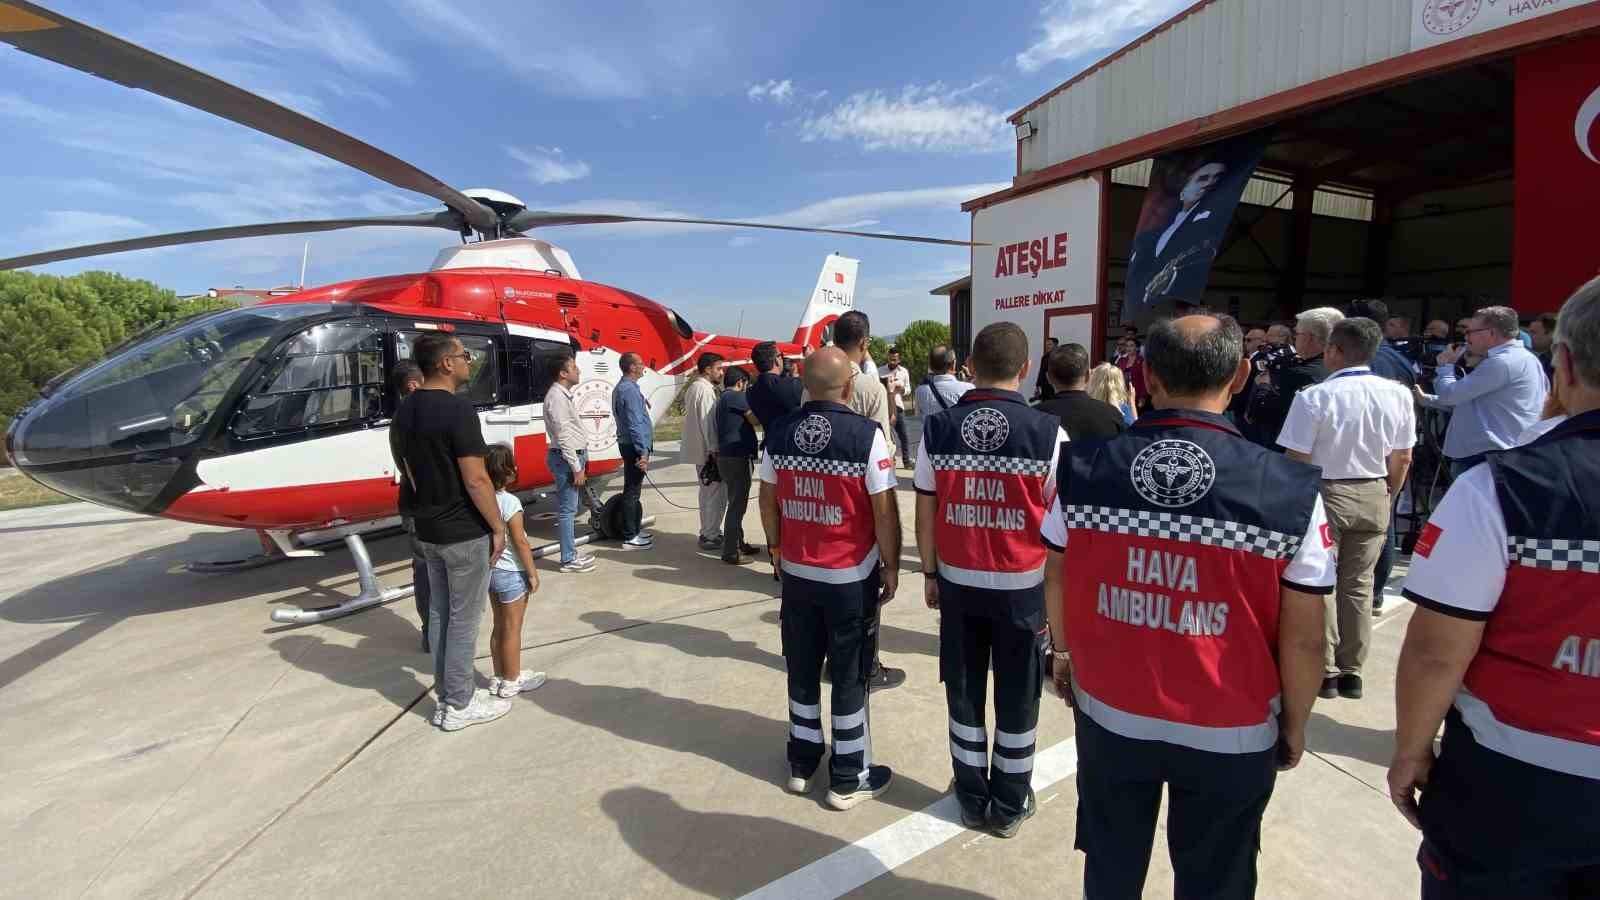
1010 829
977 821
878 780
750 549
886 678
1330 688
710 545
740 560
799 781
1350 687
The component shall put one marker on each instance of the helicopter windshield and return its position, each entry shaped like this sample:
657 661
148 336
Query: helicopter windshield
157 394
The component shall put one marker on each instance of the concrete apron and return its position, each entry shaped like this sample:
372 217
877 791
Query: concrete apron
164 739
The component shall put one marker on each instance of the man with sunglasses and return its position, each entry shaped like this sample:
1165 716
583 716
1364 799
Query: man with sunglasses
438 446
1497 401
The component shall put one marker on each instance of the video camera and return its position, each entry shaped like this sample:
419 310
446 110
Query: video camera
1275 358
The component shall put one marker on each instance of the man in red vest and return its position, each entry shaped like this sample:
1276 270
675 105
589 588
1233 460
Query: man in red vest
829 510
985 476
1184 589
1505 650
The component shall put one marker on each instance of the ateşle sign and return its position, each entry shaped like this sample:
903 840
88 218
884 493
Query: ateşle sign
1031 257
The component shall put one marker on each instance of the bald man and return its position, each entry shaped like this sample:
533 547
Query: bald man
828 507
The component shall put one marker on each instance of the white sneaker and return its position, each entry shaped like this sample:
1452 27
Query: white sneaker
578 565
480 710
439 709
638 542
527 681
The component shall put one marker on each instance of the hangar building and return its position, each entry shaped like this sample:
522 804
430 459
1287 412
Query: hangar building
1442 154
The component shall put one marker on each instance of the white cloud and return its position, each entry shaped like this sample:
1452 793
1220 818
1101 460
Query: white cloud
1074 30
920 117
549 165
302 31
779 92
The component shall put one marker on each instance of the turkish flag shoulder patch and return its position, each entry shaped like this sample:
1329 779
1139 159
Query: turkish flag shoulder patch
1327 535
886 463
1426 540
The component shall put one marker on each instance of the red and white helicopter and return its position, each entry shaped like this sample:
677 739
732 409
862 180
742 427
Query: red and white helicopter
274 417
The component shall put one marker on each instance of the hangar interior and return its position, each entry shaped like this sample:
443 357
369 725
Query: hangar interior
1404 193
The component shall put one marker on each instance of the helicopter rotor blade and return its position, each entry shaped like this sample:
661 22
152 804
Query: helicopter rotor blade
529 218
447 219
50 35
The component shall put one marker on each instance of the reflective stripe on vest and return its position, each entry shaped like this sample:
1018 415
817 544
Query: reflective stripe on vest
1171 603
1560 754
990 456
820 456
1235 739
1533 690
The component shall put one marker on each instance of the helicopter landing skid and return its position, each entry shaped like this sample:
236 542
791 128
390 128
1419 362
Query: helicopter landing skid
373 593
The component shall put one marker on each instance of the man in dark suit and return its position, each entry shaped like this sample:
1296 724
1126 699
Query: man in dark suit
1188 241
1082 416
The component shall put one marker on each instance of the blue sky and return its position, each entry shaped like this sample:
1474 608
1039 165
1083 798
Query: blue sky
826 114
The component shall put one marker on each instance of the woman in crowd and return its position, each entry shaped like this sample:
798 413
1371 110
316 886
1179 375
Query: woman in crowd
511 582
1107 384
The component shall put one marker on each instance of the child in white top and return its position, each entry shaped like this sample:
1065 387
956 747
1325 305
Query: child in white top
511 581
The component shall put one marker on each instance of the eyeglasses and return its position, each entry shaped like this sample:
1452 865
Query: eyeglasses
465 356
1476 330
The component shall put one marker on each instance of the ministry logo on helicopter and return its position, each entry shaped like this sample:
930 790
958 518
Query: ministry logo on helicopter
592 399
1173 473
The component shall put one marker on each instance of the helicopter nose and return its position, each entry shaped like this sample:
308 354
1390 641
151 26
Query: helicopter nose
53 444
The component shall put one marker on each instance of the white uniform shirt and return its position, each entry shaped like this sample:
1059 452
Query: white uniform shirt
1461 555
898 377
1350 423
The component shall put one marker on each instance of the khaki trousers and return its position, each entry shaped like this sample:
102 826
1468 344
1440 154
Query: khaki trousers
1358 515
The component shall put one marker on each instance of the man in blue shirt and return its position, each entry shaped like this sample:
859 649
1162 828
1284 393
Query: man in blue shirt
1495 403
634 433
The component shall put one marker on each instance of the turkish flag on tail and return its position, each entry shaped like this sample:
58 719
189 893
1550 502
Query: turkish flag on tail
1557 174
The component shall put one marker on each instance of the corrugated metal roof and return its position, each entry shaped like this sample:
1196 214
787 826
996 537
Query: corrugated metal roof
1215 56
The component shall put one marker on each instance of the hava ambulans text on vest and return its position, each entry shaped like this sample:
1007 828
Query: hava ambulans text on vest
811 504
1149 606
984 506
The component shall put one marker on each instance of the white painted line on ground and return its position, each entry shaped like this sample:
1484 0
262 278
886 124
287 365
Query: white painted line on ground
892 846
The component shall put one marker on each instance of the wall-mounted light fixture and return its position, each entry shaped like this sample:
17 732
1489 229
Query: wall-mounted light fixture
1025 130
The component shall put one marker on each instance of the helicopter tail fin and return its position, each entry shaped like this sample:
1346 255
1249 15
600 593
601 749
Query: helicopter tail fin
833 296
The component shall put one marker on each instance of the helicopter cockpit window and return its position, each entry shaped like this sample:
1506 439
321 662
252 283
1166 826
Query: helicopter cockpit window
484 388
330 374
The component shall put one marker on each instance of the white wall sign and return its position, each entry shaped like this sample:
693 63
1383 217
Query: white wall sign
1044 253
1437 21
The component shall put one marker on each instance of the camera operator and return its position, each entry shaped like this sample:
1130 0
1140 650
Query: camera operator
1260 346
1289 372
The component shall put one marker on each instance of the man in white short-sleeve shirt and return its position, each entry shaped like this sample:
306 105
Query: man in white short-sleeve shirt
1359 428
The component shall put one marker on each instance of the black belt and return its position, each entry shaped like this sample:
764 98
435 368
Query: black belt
1343 480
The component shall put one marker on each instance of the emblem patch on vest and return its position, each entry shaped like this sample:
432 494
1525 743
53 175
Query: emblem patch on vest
813 434
984 430
1172 473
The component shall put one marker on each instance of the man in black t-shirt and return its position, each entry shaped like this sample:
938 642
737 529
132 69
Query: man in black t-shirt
773 396
407 378
1082 417
736 447
437 444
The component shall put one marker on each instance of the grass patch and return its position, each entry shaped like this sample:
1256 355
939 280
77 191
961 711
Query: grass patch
17 492
670 428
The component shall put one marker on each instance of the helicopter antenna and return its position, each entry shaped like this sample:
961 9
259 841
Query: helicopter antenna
305 254
739 333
